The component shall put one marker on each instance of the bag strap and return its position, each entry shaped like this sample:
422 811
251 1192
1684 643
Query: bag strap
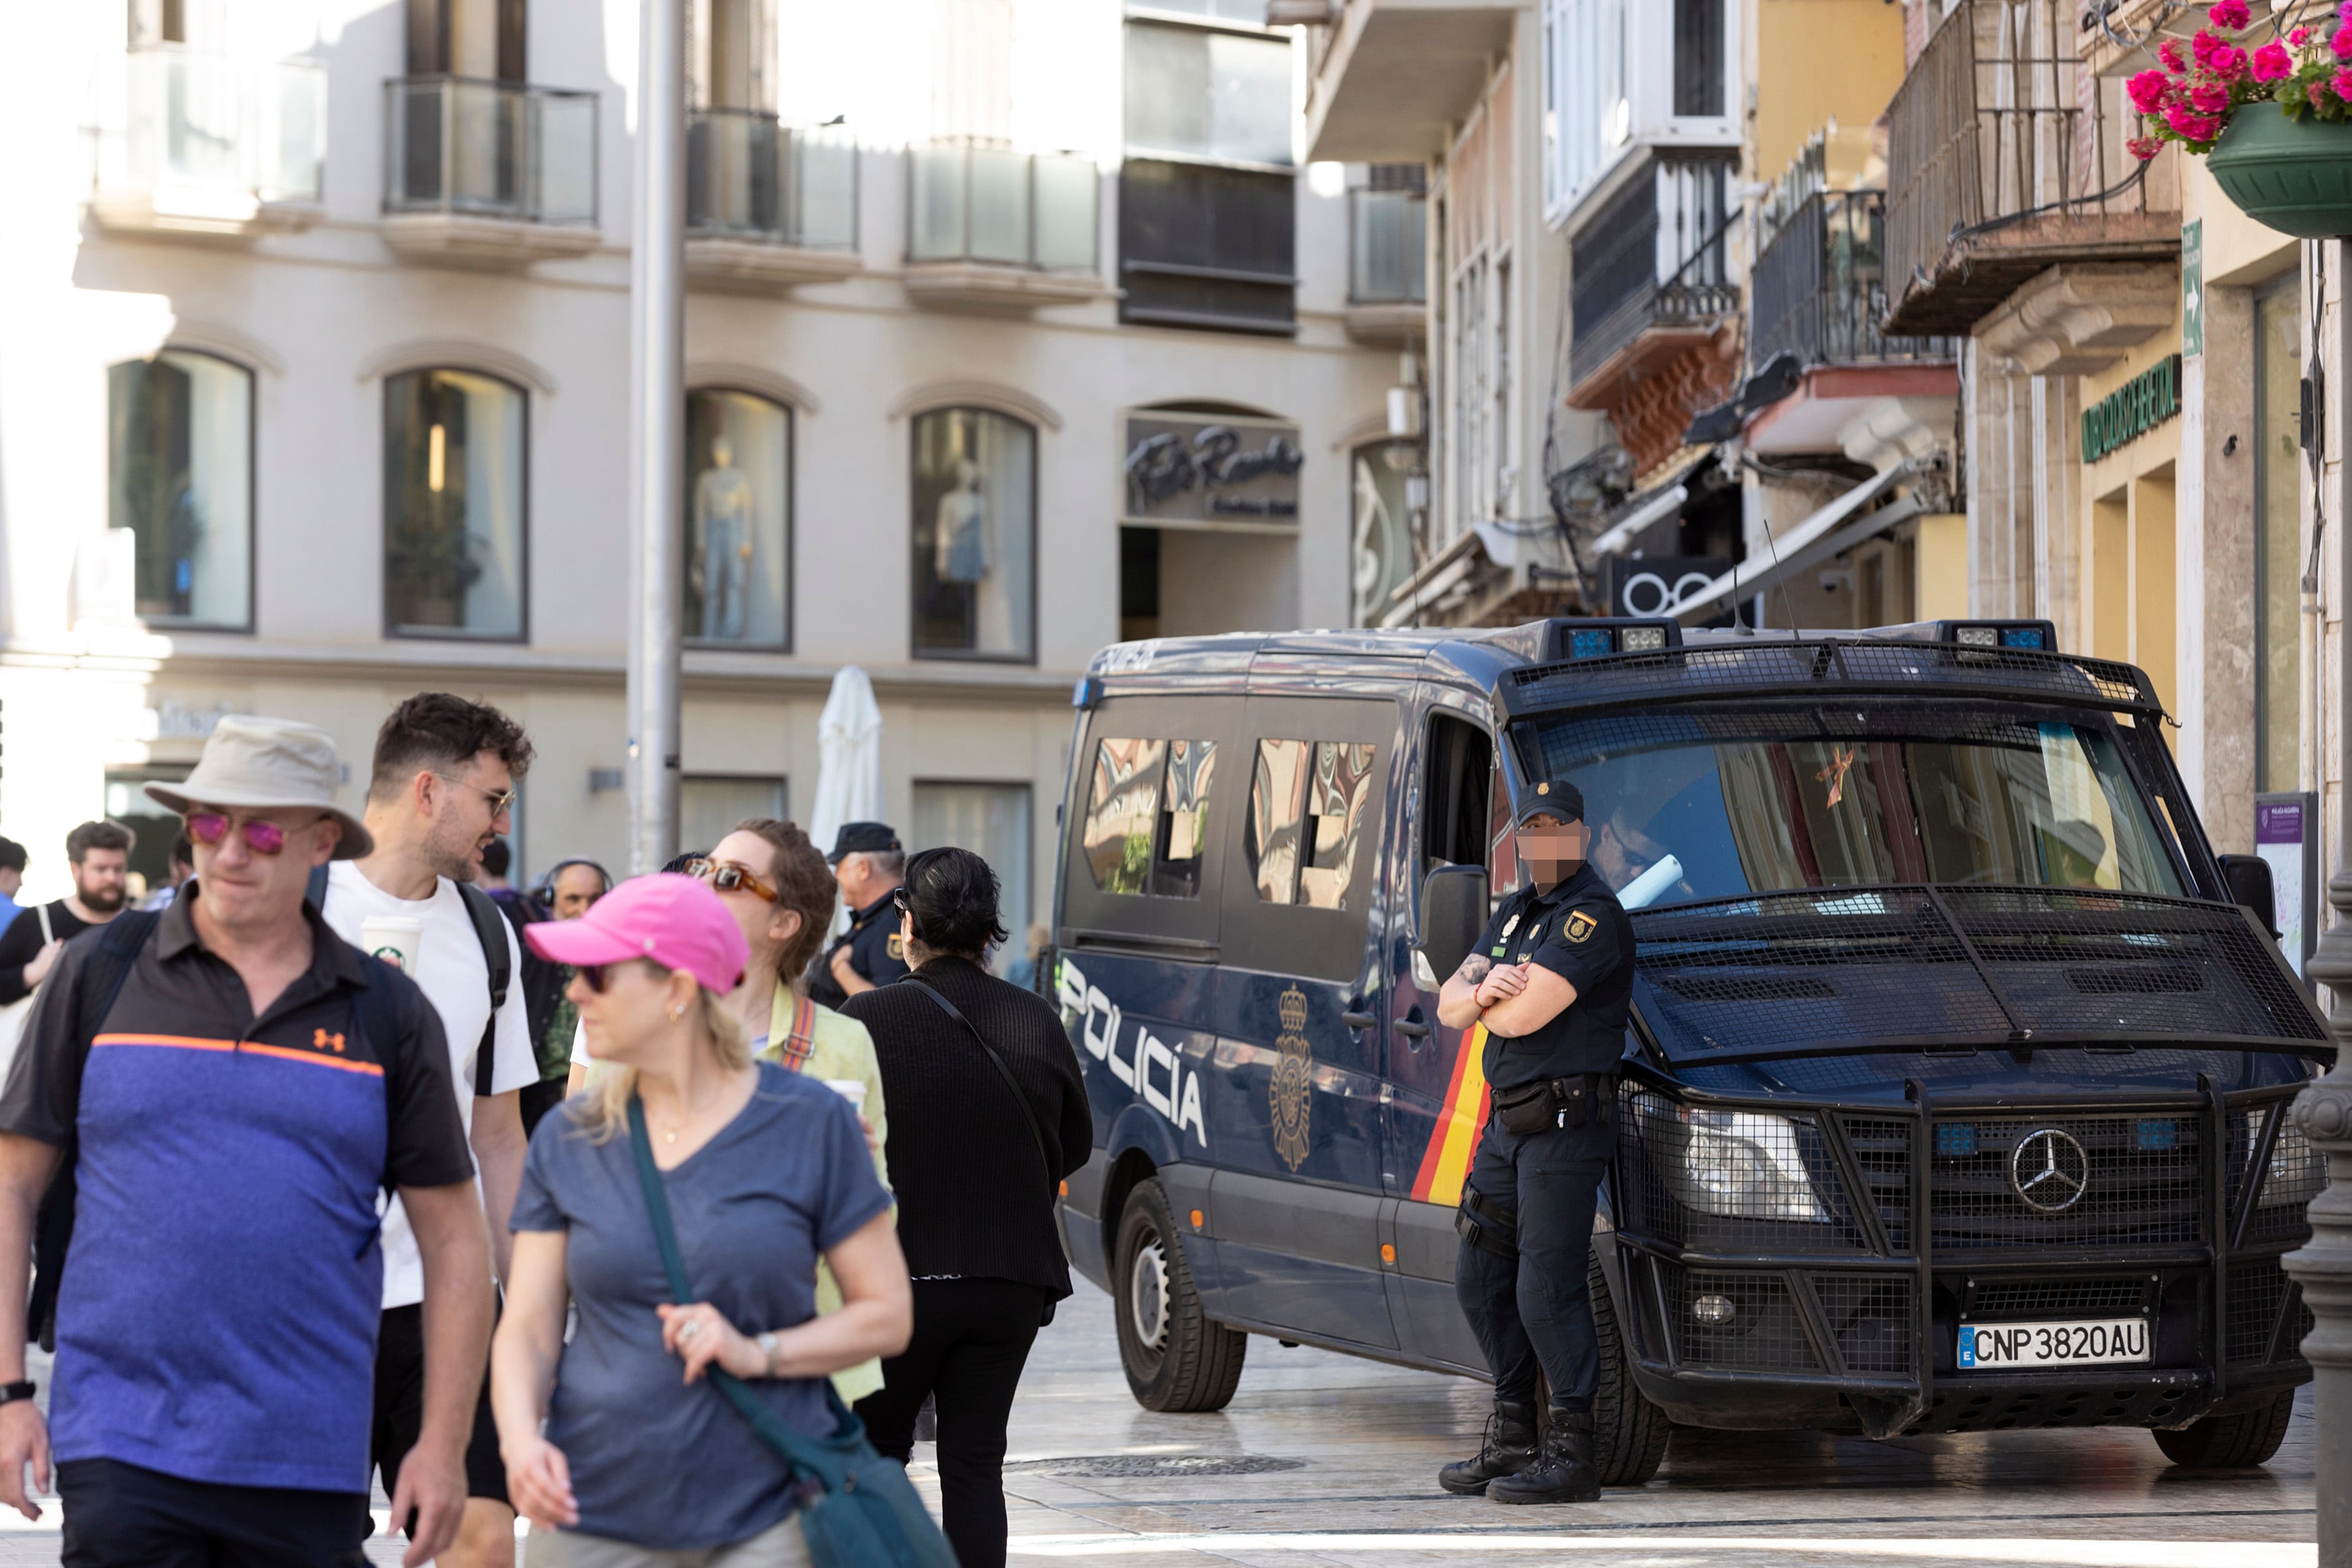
490 931
1029 1115
808 1461
801 1042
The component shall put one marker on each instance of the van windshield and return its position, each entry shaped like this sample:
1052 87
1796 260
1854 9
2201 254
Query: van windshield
1692 804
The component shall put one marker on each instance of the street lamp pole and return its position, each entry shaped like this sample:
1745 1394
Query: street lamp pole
2323 1266
657 428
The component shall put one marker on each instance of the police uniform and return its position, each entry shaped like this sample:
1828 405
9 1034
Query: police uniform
877 952
1528 1203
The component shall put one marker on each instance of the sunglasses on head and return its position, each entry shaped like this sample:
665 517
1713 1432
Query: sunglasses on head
727 879
210 827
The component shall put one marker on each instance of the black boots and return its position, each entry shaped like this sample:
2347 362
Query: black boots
1564 1473
1510 1448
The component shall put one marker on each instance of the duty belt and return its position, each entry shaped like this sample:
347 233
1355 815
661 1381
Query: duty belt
1552 1103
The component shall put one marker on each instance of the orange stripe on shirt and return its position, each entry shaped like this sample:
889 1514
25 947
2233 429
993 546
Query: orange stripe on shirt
312 1058
1445 1164
177 1042
188 1043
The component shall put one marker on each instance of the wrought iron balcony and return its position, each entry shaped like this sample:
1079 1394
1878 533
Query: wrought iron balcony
206 144
1818 290
768 203
1653 258
488 170
2005 157
988 226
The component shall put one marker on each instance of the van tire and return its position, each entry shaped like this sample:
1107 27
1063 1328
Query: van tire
1190 1363
2231 1442
1629 1433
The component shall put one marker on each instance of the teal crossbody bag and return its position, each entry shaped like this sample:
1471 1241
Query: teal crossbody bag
857 1509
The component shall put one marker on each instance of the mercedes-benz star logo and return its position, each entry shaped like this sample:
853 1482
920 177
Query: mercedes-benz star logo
2049 1171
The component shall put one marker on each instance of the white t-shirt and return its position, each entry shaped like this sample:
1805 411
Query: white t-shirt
455 979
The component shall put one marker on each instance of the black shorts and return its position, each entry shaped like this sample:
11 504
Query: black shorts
122 1516
400 1408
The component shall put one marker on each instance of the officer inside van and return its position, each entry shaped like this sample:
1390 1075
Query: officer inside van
1551 980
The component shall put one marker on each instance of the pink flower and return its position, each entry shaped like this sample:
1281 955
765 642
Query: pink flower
2147 90
2203 44
2272 62
2210 98
2316 93
2144 147
2192 126
2169 53
2342 83
2342 42
2299 38
2228 14
2226 62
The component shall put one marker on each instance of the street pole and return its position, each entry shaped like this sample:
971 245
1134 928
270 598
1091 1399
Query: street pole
2324 1111
657 428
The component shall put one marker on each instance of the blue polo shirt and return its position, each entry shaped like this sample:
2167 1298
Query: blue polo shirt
216 1317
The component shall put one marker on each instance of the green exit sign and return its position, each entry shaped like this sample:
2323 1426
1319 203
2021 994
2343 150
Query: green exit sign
2133 409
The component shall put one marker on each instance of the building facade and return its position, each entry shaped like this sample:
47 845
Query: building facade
1024 333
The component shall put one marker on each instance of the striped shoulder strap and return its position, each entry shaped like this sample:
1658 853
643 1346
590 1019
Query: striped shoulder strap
795 1053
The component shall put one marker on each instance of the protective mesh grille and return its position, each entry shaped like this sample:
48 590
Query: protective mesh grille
2291 1178
1883 1149
1979 965
2258 1289
1873 1318
2006 1181
1739 1183
1781 668
1765 1333
1999 1298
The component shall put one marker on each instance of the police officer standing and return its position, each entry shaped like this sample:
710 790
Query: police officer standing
869 863
1551 979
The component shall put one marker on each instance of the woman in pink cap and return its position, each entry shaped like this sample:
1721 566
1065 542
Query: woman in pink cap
765 1173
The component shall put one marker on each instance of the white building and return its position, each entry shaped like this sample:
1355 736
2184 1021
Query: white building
314 392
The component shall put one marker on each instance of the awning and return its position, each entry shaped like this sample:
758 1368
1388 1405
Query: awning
1657 508
1521 549
1833 531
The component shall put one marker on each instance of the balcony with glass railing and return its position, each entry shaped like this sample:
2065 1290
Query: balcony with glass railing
199 144
769 204
989 227
489 171
1388 265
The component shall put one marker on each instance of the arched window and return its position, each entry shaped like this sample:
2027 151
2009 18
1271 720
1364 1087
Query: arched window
975 530
455 446
180 478
738 514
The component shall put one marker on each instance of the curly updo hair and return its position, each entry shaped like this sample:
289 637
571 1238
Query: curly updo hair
951 903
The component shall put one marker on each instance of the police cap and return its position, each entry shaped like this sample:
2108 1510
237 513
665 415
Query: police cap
1548 797
862 838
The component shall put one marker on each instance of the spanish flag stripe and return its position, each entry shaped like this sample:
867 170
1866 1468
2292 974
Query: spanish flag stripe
1445 1164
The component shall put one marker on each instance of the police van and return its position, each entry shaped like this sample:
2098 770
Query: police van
1953 1093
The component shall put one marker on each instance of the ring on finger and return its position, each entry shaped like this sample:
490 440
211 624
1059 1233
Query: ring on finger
692 1326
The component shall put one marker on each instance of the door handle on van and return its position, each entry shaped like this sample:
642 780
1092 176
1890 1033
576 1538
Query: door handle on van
1358 1020
1413 1029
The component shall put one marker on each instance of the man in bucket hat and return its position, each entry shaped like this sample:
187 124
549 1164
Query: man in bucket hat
232 1085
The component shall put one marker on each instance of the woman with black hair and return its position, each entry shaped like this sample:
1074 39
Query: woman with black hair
987 1115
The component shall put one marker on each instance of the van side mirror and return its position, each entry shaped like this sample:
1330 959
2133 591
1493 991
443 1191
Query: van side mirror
2248 878
1452 912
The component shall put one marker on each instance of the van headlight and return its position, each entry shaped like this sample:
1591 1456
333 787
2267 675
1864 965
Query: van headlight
1745 1164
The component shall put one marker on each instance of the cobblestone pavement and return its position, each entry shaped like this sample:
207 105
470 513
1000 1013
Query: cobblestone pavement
1324 1460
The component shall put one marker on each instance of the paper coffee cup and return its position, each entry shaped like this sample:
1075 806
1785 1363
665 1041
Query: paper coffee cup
395 938
850 1090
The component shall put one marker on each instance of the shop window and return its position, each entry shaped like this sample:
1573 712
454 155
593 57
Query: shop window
991 820
975 500
456 443
738 519
180 478
1384 532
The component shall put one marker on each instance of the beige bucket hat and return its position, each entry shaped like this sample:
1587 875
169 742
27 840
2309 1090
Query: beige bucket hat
267 763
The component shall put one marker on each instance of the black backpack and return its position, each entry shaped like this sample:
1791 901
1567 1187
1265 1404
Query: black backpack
98 982
490 931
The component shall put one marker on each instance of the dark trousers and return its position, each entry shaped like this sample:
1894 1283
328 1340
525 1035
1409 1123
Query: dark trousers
1533 1310
971 1340
121 1516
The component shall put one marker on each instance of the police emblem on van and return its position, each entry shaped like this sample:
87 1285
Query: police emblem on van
1290 1094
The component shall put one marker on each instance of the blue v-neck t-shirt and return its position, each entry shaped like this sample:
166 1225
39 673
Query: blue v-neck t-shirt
656 1461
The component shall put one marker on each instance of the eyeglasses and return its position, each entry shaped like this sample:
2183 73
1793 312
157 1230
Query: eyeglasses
501 800
209 827
727 879
593 973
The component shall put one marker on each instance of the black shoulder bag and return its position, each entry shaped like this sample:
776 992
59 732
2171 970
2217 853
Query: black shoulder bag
858 1508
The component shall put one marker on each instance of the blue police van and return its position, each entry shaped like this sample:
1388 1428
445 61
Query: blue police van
1954 1092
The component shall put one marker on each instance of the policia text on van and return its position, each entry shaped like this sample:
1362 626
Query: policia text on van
1946 1023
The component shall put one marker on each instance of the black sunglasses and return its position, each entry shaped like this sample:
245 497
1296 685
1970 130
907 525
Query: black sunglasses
594 974
899 899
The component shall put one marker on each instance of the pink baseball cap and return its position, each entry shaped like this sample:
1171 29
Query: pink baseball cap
674 920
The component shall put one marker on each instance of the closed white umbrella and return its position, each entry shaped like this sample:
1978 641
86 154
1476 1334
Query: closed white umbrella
849 758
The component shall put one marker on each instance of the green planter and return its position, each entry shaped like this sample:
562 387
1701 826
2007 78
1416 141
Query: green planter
2292 176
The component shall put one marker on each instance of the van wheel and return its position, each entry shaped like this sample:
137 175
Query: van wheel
1174 1356
2231 1442
1629 1433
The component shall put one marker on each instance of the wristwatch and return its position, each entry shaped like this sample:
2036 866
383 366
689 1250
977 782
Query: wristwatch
12 1391
766 1342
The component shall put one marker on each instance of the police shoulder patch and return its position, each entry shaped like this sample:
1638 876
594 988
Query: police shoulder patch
896 947
1579 926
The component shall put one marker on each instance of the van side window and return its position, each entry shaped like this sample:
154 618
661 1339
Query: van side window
1146 828
1308 802
1454 807
1503 849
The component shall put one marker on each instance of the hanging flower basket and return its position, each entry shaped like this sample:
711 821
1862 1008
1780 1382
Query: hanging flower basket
2272 108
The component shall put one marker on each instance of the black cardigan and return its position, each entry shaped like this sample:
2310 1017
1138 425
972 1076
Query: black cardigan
971 1202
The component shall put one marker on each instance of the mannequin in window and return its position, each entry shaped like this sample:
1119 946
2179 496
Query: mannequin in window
722 515
964 555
